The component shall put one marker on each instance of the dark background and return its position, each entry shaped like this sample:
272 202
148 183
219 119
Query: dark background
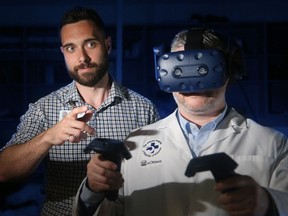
31 64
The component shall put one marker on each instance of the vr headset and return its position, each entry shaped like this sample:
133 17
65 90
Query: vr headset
191 70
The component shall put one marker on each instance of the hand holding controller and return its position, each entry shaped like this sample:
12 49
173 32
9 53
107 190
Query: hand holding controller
220 164
113 150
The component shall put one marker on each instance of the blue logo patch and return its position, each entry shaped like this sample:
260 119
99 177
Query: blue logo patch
152 148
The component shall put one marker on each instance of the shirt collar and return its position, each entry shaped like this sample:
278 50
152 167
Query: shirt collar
72 96
208 126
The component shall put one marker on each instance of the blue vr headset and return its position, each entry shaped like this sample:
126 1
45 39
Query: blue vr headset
191 70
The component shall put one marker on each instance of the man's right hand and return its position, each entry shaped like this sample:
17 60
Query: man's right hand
102 174
71 128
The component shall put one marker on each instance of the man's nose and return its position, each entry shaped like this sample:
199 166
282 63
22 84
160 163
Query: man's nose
84 57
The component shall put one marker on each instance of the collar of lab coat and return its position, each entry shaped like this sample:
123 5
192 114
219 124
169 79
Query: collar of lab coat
232 123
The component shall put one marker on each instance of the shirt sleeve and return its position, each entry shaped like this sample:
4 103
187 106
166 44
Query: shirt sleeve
89 201
32 123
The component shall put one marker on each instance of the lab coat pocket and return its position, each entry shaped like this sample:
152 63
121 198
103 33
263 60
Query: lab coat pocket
258 167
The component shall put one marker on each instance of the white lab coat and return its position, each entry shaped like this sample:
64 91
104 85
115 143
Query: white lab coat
155 184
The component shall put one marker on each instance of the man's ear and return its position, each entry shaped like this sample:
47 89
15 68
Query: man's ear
108 44
62 49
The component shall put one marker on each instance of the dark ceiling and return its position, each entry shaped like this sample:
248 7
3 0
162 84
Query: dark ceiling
35 12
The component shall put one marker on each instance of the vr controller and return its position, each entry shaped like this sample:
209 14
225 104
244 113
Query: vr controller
220 164
113 150
191 70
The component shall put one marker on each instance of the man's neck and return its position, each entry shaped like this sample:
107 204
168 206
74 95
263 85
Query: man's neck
201 119
96 95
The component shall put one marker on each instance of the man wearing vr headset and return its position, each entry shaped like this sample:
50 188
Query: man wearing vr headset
197 72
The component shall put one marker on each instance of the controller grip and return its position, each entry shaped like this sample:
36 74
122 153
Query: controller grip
115 158
112 150
220 164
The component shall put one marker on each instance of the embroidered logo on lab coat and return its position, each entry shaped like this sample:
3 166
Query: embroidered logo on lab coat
152 148
149 151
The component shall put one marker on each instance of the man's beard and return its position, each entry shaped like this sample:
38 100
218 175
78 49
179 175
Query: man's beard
92 78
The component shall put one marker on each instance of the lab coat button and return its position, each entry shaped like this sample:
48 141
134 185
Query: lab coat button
186 156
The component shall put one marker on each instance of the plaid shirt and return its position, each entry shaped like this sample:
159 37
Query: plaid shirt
65 169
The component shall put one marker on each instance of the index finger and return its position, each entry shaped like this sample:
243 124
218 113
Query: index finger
102 162
78 112
232 182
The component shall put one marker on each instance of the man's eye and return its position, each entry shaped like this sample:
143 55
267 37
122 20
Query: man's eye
69 49
91 44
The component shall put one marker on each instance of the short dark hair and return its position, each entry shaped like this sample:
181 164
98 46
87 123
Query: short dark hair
77 14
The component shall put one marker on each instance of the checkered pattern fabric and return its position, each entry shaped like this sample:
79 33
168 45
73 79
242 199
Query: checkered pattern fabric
65 166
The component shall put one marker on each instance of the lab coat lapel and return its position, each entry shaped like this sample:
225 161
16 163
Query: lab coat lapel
172 129
232 123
